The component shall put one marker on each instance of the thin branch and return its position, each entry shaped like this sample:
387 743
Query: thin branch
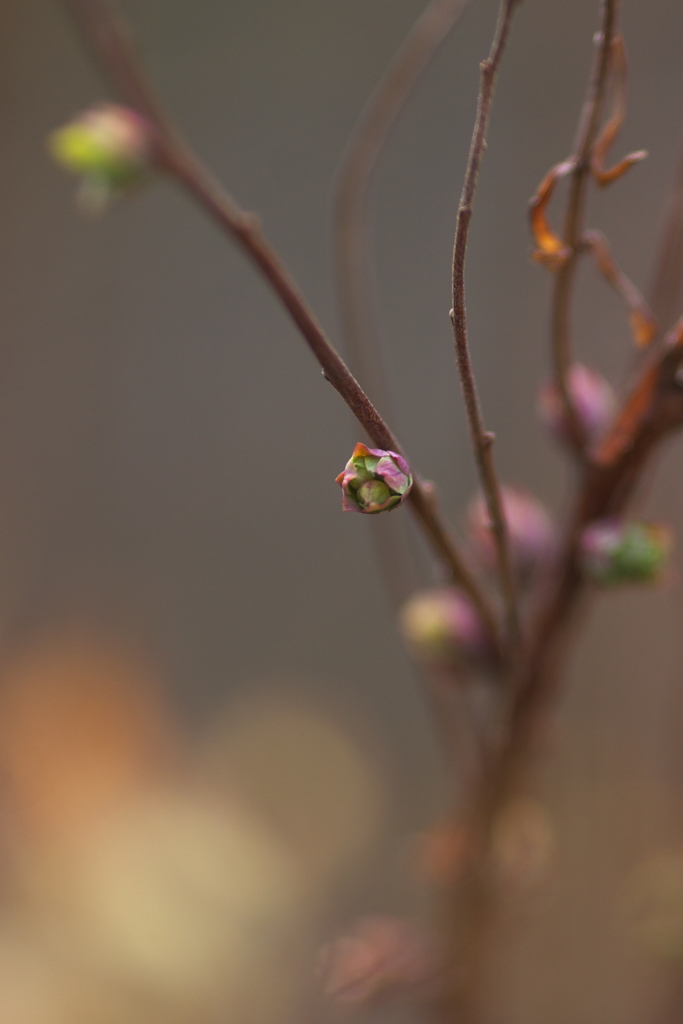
587 133
110 41
665 291
352 245
482 440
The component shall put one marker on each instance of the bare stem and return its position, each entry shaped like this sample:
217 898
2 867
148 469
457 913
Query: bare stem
665 291
110 41
482 440
587 132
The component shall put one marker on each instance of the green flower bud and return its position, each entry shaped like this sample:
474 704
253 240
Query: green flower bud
374 481
109 147
611 552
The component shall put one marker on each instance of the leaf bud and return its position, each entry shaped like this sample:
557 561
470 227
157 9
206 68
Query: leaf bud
109 147
374 481
592 397
611 552
442 628
531 534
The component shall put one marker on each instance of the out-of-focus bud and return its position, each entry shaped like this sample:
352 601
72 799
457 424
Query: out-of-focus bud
592 397
383 957
109 147
442 628
611 552
531 533
374 481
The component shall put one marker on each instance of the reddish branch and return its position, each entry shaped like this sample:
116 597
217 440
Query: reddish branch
482 440
587 133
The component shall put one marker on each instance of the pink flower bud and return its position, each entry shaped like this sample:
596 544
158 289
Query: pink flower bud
592 397
374 481
531 534
382 958
442 628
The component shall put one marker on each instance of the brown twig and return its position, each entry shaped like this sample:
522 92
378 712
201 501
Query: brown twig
587 132
482 440
111 43
667 278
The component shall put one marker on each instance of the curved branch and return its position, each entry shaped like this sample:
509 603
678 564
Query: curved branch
482 440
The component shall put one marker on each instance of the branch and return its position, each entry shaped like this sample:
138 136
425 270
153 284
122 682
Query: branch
665 291
110 41
587 133
482 440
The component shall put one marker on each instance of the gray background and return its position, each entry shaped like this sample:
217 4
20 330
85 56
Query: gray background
168 448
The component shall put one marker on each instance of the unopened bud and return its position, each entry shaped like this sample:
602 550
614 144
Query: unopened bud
382 958
442 628
374 481
109 147
531 535
593 400
611 552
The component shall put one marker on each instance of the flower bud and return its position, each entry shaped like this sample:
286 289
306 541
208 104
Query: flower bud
381 958
531 534
441 628
374 481
611 552
109 147
592 397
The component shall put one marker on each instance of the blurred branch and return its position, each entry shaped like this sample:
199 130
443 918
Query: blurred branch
110 41
586 136
482 440
352 245
665 291
642 320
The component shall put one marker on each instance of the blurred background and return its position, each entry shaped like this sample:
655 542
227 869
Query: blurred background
214 757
